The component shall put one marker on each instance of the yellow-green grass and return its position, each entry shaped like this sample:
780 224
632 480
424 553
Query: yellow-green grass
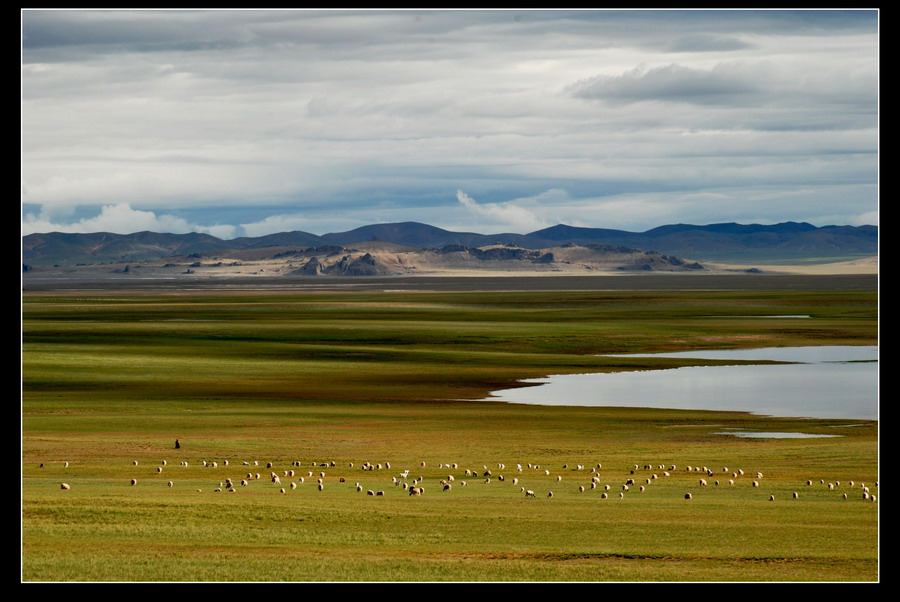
391 378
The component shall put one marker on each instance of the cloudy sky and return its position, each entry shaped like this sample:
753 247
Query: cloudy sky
245 123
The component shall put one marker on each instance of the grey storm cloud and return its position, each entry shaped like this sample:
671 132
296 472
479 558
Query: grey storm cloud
671 83
253 120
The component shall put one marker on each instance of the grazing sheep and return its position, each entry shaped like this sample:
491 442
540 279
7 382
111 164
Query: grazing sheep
529 493
135 463
134 481
65 464
796 495
581 488
243 482
159 469
549 494
603 496
379 493
416 491
844 496
293 485
321 486
447 487
771 498
64 486
370 492
756 483
688 496
703 482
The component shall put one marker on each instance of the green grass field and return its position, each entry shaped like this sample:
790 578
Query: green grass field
346 378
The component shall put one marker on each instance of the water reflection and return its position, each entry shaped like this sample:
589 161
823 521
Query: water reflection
832 382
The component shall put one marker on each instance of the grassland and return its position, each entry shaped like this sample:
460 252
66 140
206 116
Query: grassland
355 376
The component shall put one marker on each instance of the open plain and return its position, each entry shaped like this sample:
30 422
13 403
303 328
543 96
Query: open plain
307 412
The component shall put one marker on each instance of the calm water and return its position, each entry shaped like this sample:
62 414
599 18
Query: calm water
832 382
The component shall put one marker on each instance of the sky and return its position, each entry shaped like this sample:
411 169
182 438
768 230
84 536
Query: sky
251 122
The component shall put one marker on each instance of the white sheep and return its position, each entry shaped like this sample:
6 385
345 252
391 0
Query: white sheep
688 496
134 481
529 493
64 486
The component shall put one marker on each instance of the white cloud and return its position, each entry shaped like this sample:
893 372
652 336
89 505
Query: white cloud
507 214
118 219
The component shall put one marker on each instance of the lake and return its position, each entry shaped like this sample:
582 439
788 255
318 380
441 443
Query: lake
828 382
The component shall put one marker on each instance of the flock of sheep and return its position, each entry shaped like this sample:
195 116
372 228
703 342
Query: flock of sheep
639 478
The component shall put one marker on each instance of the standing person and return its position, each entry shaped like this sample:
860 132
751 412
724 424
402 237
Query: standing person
177 444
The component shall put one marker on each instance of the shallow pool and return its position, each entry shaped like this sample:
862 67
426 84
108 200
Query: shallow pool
829 382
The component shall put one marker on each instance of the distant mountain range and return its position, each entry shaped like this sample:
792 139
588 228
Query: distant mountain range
715 242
